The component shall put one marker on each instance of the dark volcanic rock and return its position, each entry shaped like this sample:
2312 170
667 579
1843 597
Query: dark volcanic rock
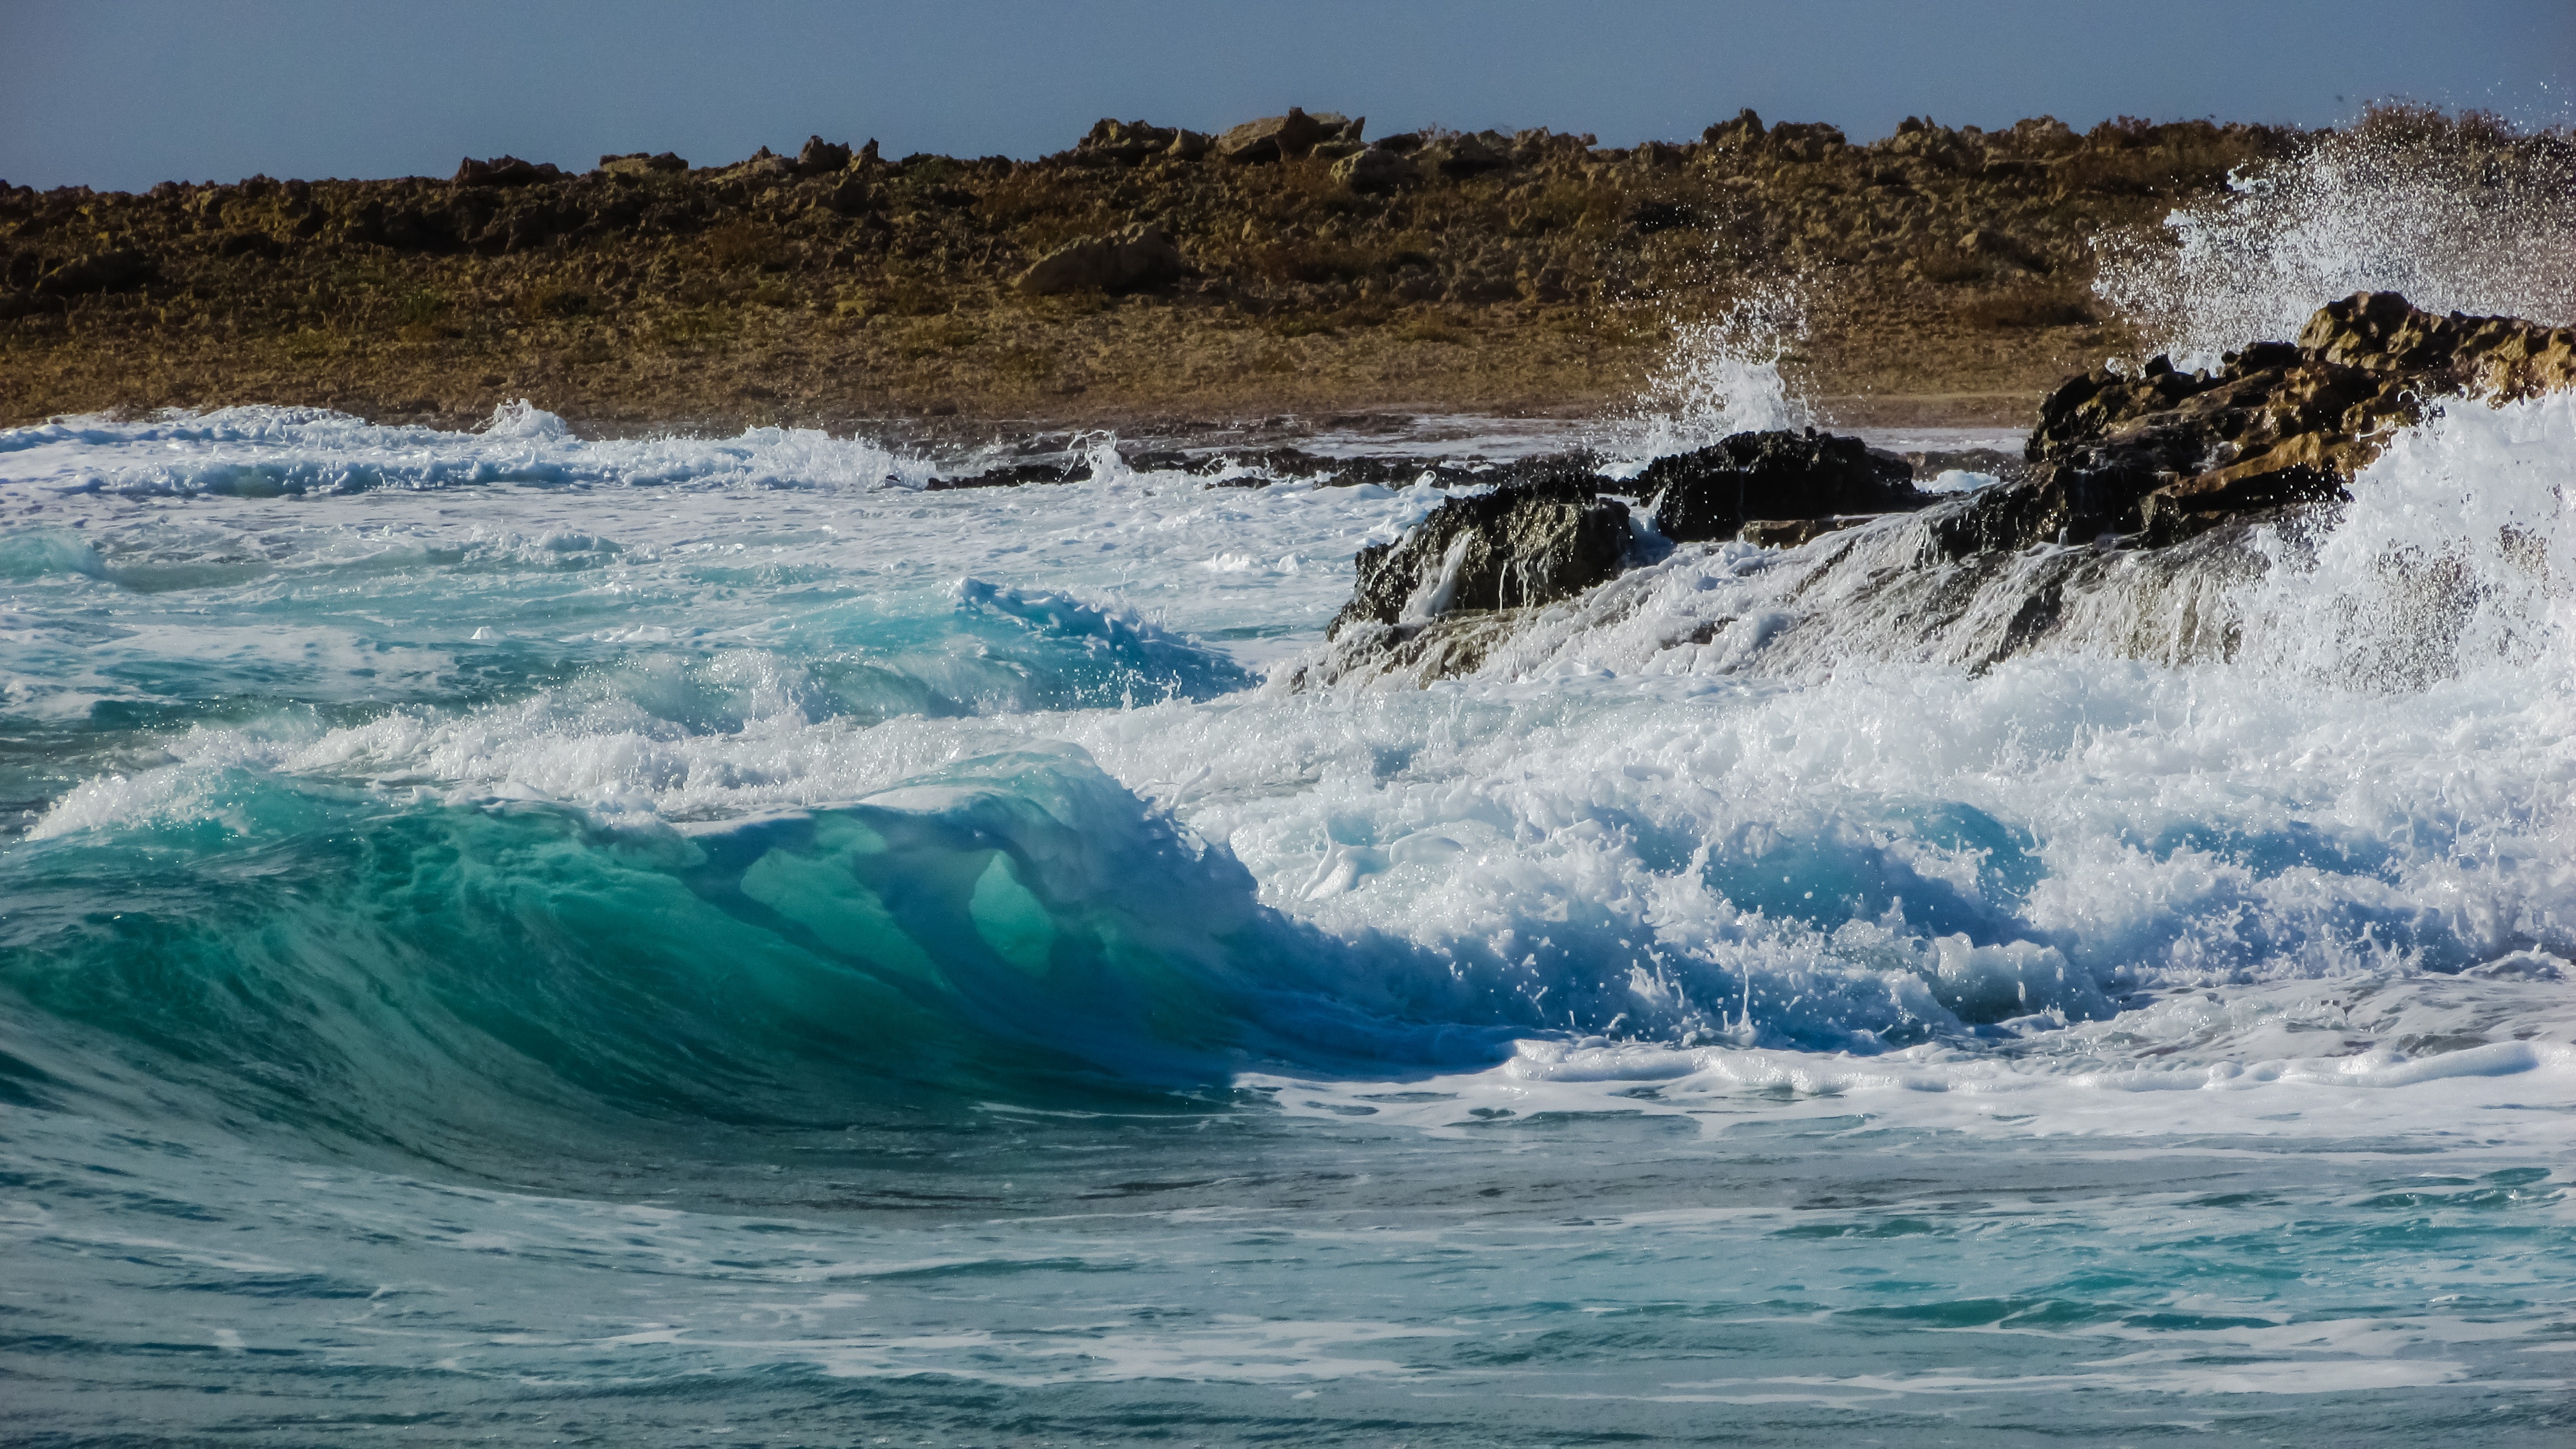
1775 476
2167 454
1525 543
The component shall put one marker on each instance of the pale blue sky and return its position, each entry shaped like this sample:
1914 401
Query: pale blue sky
124 93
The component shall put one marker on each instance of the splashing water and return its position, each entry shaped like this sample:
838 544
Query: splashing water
2454 225
1722 376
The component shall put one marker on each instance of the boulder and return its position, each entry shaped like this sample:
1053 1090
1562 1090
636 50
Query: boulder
1285 138
1776 478
637 163
1124 143
2165 454
1525 543
821 158
1376 169
504 171
1140 256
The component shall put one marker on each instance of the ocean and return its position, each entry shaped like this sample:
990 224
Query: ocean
510 937
513 938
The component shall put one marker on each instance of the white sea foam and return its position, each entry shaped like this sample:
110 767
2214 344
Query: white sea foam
1727 799
260 451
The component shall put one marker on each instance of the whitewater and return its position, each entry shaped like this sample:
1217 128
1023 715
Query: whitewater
514 937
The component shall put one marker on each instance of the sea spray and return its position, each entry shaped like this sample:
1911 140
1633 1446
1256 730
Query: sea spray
2452 214
1720 375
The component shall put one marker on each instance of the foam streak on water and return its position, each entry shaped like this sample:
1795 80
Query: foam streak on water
531 938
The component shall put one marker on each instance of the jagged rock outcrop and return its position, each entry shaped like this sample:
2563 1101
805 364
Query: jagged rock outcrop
821 158
1522 544
2166 454
1773 477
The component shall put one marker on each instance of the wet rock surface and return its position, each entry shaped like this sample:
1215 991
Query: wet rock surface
2166 454
1713 492
1523 544
2154 478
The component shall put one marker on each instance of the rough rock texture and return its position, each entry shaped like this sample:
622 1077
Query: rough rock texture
638 163
1140 256
2167 454
1377 169
1717 490
1288 137
650 293
1522 544
821 157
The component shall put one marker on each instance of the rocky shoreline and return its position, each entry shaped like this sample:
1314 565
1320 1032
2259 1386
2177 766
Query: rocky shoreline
1145 275
2145 466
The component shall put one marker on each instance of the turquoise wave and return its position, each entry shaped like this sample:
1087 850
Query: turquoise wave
1019 927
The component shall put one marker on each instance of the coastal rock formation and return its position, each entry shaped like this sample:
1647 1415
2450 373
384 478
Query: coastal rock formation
1476 272
2137 472
2167 454
821 158
1140 256
1774 477
1525 543
1288 137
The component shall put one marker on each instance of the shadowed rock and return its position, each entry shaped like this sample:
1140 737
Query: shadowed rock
1285 138
821 157
1774 476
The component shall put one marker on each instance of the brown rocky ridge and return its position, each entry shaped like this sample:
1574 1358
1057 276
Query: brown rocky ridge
1289 265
